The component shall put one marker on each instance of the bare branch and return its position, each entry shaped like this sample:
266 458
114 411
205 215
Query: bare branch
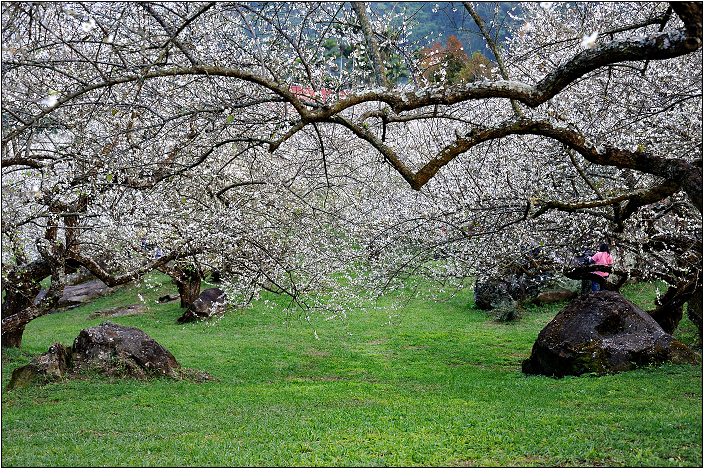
482 27
359 9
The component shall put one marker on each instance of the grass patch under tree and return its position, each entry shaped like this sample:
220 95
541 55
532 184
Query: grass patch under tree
429 384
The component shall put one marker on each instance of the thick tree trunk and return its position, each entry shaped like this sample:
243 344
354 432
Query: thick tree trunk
668 312
13 339
13 326
188 282
668 315
15 320
21 285
189 289
694 308
15 302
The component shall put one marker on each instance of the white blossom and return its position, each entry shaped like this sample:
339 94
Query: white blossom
88 26
51 99
589 42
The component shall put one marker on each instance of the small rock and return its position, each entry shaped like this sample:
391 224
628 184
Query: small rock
553 296
211 302
168 298
118 311
50 365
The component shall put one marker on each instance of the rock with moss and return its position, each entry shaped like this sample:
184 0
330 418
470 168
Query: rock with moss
109 350
602 332
49 366
122 351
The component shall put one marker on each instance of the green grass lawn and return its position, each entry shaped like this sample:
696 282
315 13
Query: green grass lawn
429 384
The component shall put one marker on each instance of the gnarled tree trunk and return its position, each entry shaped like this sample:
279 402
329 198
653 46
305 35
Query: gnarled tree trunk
188 284
15 302
187 278
21 309
668 312
694 307
21 286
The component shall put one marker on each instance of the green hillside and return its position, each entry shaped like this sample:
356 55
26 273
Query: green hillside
438 20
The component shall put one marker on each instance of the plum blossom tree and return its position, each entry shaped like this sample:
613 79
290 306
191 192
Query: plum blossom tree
563 197
85 182
225 133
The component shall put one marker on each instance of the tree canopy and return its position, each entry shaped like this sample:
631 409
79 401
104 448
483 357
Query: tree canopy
229 136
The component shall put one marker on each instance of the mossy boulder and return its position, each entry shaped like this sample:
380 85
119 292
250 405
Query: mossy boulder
121 350
109 350
602 332
49 366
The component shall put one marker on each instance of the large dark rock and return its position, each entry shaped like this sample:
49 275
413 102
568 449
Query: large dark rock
120 350
48 366
492 293
602 332
211 302
109 349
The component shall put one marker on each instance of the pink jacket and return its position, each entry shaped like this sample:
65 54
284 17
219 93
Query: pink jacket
602 258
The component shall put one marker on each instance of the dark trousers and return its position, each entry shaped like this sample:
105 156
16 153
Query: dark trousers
596 286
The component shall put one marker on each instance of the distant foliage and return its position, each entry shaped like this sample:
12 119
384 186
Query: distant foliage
451 64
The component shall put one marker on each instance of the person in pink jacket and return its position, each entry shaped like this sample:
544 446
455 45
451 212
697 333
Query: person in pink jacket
603 257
